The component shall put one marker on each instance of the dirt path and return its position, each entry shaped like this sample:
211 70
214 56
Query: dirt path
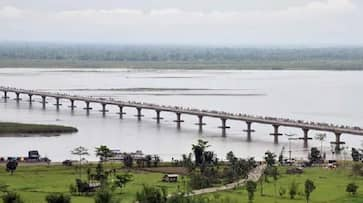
254 175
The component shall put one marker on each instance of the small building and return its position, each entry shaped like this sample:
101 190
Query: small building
170 178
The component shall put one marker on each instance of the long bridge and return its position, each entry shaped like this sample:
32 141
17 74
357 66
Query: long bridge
338 130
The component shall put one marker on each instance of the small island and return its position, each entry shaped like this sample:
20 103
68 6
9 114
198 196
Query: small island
23 128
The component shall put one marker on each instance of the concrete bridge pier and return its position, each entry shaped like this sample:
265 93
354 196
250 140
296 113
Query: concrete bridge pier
224 127
276 133
5 95
306 137
178 120
17 96
57 103
249 130
200 123
104 110
30 98
72 106
158 118
44 101
139 115
121 113
87 108
337 142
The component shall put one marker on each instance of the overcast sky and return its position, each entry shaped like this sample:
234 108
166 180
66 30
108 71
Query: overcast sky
210 22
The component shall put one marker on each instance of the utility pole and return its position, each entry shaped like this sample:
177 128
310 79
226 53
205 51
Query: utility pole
290 137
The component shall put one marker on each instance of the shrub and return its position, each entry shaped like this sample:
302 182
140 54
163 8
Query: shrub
357 169
57 198
151 195
352 188
12 197
105 195
282 191
293 189
251 188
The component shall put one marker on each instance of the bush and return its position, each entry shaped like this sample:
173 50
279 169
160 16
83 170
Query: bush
357 169
12 197
105 195
73 189
151 195
293 189
199 181
352 188
57 198
282 191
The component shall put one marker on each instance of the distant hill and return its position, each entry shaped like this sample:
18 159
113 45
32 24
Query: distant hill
178 57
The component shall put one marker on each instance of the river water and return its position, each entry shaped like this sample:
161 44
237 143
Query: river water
328 96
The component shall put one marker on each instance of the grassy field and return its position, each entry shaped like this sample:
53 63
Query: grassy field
18 128
35 182
330 188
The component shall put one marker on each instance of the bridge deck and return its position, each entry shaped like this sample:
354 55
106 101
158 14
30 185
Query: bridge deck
222 115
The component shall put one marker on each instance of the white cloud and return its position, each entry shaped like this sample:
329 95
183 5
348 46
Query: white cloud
316 21
10 12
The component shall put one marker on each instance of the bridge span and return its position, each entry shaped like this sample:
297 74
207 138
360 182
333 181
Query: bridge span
338 130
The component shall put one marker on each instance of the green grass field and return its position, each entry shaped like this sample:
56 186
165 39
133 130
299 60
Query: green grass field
35 182
14 128
330 188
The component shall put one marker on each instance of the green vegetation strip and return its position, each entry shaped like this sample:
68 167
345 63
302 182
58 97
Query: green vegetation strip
13 128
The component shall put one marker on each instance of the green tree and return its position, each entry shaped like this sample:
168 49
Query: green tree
122 179
57 198
352 188
270 158
309 188
128 161
251 189
198 150
315 155
103 152
80 151
355 154
11 166
321 137
148 159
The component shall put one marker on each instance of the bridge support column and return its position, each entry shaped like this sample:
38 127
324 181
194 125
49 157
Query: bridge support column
139 115
87 108
121 113
72 106
5 95
337 142
44 101
249 130
306 137
17 96
30 98
57 104
276 133
224 127
200 123
178 120
157 118
104 110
